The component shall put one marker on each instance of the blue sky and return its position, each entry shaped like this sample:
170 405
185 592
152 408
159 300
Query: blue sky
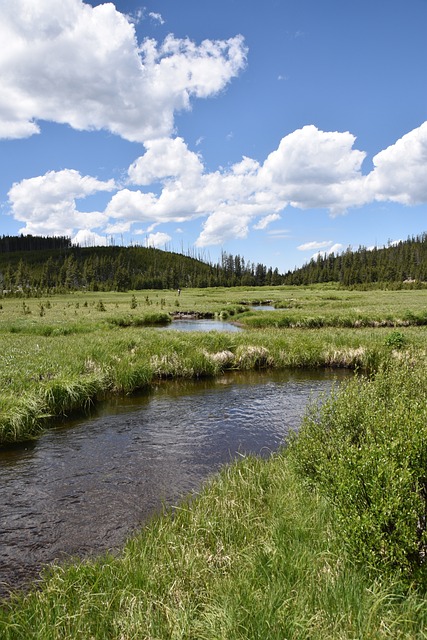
272 130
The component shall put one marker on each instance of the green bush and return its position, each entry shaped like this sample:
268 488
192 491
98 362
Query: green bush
365 448
396 340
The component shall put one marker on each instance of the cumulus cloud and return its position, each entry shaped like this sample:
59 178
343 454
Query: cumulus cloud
87 238
168 183
400 171
166 158
157 240
69 62
47 204
313 168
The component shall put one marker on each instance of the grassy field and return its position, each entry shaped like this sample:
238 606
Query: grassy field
60 354
266 549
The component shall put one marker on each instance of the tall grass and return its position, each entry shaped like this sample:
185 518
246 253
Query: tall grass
61 374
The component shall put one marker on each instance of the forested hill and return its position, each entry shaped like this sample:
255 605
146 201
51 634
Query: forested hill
49 264
403 263
34 264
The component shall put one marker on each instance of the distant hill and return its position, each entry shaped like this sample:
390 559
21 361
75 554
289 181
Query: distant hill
400 264
33 264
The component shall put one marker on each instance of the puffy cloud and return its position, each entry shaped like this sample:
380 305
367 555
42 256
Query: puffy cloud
166 158
47 204
157 240
400 171
87 238
313 168
223 225
72 63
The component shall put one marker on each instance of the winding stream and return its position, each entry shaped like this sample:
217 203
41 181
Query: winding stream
84 486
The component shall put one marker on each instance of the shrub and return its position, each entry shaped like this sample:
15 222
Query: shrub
100 306
396 340
365 448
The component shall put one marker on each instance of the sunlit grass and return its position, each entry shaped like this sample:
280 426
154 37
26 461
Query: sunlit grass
254 556
62 353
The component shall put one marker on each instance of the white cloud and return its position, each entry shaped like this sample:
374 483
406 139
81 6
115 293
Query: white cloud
311 246
69 62
264 222
400 171
335 248
47 204
87 238
157 240
156 17
313 168
166 158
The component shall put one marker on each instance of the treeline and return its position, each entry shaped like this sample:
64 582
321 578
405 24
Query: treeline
42 265
401 264
10 244
71 268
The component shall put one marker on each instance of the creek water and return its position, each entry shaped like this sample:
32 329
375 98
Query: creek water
202 324
86 484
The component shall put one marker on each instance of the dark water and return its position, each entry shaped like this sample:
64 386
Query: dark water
83 487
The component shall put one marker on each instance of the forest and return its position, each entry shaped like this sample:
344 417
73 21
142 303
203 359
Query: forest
403 263
33 265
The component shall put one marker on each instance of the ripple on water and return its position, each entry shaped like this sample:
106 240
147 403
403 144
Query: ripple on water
84 487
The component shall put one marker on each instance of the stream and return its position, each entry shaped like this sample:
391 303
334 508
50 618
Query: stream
86 484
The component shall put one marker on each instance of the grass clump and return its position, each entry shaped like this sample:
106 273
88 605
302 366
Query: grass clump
146 320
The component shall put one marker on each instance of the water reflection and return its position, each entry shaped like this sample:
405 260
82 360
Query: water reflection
83 487
188 324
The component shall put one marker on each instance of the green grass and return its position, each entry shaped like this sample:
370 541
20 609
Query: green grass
62 354
56 375
256 555
365 449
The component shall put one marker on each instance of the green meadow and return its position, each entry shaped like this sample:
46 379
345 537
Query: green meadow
327 539
60 354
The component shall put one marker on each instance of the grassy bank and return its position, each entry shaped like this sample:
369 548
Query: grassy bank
256 555
51 376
